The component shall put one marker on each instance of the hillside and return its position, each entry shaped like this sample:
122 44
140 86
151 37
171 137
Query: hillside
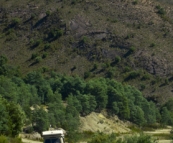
128 40
98 122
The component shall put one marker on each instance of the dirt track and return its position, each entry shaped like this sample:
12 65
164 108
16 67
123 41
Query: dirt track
160 131
164 141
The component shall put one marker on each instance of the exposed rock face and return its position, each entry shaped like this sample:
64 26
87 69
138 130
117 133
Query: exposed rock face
154 64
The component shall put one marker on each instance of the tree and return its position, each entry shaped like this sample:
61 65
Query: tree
3 60
40 120
115 108
149 111
165 116
3 118
17 118
92 103
56 111
72 115
8 89
12 118
139 116
124 111
98 88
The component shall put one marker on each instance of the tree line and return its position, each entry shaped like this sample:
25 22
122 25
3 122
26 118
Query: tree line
58 100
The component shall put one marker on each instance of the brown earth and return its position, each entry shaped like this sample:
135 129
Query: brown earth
98 122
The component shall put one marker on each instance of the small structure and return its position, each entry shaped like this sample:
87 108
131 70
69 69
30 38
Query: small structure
54 136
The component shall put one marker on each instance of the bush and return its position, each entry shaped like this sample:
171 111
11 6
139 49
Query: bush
145 77
142 86
132 75
127 69
16 140
15 21
135 2
44 55
110 73
34 55
3 139
132 49
86 74
152 45
33 16
95 66
37 43
38 59
103 138
48 13
55 34
160 11
84 40
117 59
138 139
47 46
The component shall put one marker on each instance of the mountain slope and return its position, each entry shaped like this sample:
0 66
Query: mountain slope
130 41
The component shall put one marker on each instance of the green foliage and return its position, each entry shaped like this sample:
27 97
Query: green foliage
12 118
3 60
40 120
110 73
48 13
5 139
160 11
15 21
38 59
98 88
145 77
47 46
44 55
103 138
84 40
33 16
166 118
74 2
115 108
34 55
95 66
87 74
142 138
37 43
127 69
142 87
56 111
152 45
135 2
132 75
80 97
117 59
132 49
55 34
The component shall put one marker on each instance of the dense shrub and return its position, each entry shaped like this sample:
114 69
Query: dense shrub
103 138
142 138
5 139
160 11
15 21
